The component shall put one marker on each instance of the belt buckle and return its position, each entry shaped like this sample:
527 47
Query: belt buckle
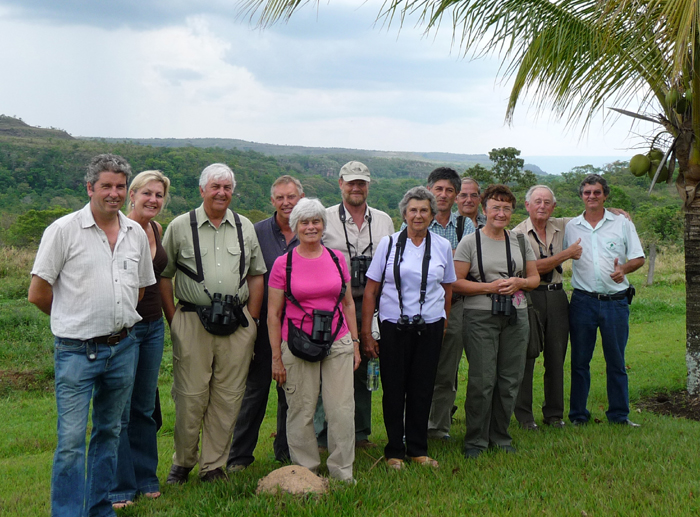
551 287
114 339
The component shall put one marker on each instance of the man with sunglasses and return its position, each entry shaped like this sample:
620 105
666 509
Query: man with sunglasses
611 251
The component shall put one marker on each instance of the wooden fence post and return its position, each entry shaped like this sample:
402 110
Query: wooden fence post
652 260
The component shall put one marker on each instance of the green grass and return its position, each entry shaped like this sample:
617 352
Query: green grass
598 469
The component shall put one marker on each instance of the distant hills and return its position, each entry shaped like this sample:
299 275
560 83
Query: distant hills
15 127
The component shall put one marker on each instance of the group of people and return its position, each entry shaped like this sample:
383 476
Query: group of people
307 298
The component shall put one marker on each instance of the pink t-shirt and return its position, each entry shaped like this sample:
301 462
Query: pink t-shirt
315 284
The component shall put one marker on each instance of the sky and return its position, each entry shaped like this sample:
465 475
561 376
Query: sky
332 76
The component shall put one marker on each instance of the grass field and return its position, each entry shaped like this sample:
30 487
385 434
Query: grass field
598 469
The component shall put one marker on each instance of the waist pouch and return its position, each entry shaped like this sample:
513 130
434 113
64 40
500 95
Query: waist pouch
302 346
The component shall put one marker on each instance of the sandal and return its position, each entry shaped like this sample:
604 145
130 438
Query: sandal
395 463
118 505
426 461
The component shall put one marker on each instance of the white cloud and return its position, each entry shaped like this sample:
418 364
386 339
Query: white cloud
327 78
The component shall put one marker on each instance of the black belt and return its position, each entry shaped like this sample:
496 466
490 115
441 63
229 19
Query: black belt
188 307
604 297
111 339
549 287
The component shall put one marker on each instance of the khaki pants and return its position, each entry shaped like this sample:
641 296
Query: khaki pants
445 390
302 389
209 378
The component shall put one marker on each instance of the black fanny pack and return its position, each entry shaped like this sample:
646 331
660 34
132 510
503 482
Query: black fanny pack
219 318
317 346
304 346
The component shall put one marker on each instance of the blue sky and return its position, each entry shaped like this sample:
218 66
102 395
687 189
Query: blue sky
332 76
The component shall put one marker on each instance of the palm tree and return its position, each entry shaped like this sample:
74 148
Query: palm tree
578 56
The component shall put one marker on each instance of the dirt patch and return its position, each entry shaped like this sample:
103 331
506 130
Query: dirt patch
677 404
35 380
292 479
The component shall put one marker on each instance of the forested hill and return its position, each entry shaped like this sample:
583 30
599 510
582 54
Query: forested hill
44 171
10 126
465 160
37 173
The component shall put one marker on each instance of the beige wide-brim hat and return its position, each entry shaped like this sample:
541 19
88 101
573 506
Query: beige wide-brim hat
352 171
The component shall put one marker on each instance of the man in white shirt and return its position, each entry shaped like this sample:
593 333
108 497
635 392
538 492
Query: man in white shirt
611 250
90 271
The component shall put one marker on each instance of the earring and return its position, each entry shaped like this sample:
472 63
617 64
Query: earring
133 206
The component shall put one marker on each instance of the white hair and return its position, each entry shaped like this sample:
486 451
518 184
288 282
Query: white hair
216 171
307 208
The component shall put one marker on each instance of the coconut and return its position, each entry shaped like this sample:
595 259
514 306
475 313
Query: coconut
655 155
663 175
639 165
672 97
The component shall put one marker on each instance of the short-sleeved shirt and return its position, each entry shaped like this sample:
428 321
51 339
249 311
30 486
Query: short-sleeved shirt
316 284
449 231
220 252
495 263
377 221
95 289
273 244
614 237
441 270
553 243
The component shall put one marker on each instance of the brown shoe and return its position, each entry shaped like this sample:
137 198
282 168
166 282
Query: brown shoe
178 475
365 444
214 475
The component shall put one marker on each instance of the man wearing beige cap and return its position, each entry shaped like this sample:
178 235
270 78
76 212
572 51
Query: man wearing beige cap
355 229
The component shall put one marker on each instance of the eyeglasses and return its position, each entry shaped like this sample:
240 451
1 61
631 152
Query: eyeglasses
505 209
589 193
465 196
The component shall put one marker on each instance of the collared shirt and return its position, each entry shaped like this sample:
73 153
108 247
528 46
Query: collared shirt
614 237
95 289
441 270
220 252
357 239
273 244
449 231
553 243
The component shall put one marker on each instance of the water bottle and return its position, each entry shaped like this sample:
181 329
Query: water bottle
373 374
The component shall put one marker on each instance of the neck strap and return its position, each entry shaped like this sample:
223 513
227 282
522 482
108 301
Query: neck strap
341 216
398 257
480 259
198 276
288 292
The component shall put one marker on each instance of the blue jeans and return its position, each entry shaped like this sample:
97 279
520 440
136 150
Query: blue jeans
586 316
137 458
80 488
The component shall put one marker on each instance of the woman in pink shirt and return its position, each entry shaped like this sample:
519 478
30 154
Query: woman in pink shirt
313 335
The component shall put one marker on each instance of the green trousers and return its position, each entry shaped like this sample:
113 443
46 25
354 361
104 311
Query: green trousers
496 349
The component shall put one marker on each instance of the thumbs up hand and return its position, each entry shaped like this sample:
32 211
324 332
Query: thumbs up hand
618 275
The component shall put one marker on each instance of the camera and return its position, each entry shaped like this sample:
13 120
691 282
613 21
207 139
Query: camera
321 329
359 265
414 324
501 304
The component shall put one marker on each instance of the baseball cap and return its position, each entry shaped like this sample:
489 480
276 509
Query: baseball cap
352 171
